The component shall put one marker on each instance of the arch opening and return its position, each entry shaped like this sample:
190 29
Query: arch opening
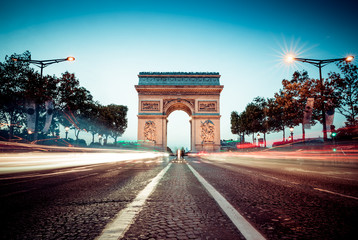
178 130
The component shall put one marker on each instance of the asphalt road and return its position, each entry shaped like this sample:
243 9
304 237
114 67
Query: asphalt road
70 203
289 199
281 199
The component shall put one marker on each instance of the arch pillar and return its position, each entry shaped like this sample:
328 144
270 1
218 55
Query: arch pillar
206 133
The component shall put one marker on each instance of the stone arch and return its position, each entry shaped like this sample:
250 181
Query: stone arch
197 94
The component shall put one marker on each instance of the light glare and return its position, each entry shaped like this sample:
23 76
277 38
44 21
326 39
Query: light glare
289 58
349 58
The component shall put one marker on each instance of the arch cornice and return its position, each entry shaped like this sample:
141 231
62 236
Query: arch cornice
175 90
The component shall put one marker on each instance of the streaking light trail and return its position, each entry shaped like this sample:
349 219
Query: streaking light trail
13 163
341 156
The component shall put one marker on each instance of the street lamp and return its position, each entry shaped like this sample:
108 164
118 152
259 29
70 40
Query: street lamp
42 64
66 129
320 64
291 130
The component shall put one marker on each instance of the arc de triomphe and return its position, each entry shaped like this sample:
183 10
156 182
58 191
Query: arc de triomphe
196 93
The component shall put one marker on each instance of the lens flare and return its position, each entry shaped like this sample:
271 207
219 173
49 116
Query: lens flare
349 58
286 53
289 58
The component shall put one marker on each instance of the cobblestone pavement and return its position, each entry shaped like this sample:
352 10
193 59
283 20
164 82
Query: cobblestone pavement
180 208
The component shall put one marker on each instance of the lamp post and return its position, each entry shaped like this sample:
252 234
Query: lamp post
320 64
66 129
291 130
41 64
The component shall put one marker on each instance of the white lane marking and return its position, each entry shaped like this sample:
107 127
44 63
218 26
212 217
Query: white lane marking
246 229
88 175
339 194
47 174
278 179
18 192
121 223
275 178
349 179
326 173
112 170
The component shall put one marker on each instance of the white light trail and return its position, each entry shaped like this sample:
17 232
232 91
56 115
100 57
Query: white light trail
14 163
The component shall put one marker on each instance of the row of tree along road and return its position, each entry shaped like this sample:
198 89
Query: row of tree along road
34 108
300 102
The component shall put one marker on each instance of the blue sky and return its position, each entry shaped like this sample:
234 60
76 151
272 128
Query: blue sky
243 40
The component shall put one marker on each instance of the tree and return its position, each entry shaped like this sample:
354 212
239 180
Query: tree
251 120
255 116
12 103
290 102
243 125
347 87
119 123
95 126
239 125
235 123
113 120
75 103
21 86
39 90
262 105
274 116
324 98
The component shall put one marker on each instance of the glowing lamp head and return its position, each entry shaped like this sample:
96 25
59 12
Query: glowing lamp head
70 59
349 58
289 58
